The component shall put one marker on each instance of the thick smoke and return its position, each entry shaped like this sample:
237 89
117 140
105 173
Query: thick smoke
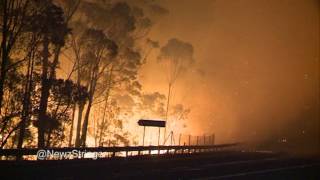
259 64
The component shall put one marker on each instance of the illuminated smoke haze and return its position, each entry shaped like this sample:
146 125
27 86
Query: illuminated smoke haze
256 72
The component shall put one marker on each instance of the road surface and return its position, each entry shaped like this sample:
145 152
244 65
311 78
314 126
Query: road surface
217 165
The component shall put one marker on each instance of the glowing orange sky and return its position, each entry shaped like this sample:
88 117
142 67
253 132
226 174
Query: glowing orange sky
259 58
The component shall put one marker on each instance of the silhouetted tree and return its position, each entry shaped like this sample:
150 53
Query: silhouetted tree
52 27
124 25
109 44
177 56
13 19
99 54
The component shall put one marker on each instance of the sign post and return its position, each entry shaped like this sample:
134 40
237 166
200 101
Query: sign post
151 123
144 132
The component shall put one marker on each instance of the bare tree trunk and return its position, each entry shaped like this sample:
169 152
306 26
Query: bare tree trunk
4 53
48 74
80 106
94 132
103 123
85 123
72 122
92 88
26 102
44 93
103 119
167 113
80 111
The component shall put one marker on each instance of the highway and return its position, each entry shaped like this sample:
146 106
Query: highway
217 165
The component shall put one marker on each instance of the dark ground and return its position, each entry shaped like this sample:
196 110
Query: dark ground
217 165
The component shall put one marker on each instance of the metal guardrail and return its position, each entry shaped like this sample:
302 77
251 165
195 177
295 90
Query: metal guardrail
124 149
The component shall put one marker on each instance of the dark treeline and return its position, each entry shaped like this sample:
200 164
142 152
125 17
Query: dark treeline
105 44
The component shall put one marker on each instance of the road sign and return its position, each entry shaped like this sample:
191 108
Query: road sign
153 123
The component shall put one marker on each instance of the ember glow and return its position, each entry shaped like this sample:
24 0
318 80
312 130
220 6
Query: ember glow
245 71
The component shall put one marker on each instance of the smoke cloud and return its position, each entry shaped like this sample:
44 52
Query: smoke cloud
256 75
